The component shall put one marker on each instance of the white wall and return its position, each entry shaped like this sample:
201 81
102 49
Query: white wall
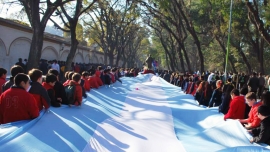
15 42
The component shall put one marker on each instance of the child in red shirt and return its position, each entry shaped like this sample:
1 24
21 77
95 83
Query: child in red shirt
92 80
97 75
3 75
85 76
253 120
16 103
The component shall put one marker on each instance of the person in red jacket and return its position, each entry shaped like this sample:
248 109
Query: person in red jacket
48 85
146 71
92 80
16 103
97 75
77 68
85 76
237 106
3 75
76 80
39 93
253 120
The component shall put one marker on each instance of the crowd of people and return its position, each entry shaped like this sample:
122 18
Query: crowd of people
243 97
24 95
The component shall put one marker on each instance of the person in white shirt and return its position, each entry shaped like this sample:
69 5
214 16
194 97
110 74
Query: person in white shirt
210 77
56 66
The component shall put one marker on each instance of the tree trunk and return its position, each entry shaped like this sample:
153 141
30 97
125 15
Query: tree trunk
258 22
73 48
37 38
186 57
191 29
124 64
181 59
117 59
260 53
167 61
35 48
111 58
105 58
224 51
245 60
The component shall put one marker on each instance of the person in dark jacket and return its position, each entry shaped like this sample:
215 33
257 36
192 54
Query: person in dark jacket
59 88
107 78
207 94
166 76
20 63
14 71
116 74
43 66
226 98
254 83
39 93
184 83
216 96
262 133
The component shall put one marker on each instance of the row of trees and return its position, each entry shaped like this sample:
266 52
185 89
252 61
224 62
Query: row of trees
194 33
113 25
183 35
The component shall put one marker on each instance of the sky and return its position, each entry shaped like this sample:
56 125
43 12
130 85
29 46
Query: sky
12 12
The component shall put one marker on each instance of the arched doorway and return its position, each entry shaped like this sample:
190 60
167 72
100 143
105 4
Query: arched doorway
87 59
49 53
101 60
78 58
19 48
64 55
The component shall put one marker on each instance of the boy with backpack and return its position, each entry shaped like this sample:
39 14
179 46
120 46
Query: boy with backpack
48 85
37 90
74 90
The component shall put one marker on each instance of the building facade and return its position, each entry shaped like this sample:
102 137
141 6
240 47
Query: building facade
15 41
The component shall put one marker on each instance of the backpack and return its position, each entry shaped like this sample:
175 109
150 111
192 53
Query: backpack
70 93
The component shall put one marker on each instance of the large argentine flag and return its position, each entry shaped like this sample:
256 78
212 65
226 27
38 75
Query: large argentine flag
144 114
